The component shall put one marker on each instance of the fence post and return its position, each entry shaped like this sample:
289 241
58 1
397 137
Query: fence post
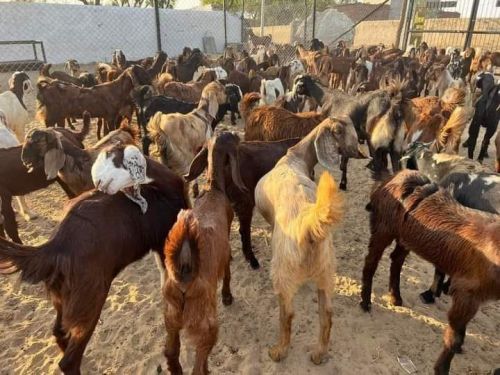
157 20
314 20
409 14
305 23
225 25
242 21
472 23
262 6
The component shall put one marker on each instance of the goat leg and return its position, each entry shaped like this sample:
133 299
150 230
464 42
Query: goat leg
436 288
58 330
23 209
376 247
227 297
398 257
280 350
325 326
209 338
463 309
245 219
343 167
172 351
9 217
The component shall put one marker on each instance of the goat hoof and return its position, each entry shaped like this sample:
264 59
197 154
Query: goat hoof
396 301
254 263
318 357
29 216
427 297
343 186
365 306
277 353
227 299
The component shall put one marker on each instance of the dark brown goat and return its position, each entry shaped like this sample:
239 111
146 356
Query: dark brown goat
462 242
15 180
80 261
497 145
251 161
58 100
270 123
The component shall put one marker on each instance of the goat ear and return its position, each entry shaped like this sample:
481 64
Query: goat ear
53 161
135 163
326 148
235 170
198 165
213 105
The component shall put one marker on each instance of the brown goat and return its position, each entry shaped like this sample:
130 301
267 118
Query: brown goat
197 256
99 236
462 242
189 92
270 123
58 100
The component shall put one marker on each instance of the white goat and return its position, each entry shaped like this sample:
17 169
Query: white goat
7 137
441 79
301 215
296 67
220 73
270 90
12 103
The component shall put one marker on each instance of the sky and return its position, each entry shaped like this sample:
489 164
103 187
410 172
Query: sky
186 4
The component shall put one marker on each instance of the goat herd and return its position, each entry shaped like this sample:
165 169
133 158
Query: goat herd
317 109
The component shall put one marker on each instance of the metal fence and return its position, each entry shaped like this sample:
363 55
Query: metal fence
457 23
33 32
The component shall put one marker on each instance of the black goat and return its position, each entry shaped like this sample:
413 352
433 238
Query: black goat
254 160
487 114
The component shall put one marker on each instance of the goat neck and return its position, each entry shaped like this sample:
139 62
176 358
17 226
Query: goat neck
305 150
215 171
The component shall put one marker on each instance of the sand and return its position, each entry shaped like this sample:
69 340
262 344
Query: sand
130 335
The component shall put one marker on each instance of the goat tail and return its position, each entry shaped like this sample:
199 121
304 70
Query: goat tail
450 133
34 264
248 103
324 213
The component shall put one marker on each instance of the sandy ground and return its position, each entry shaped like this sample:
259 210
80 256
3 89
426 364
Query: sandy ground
129 338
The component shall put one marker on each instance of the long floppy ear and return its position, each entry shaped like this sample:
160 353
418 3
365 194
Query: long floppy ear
54 159
235 170
326 148
213 105
135 163
198 165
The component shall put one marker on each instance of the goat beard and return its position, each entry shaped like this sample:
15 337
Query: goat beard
134 194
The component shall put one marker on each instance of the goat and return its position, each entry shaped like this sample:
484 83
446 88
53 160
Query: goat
15 180
178 137
271 123
301 215
57 100
296 103
470 183
377 117
60 158
82 80
270 90
80 261
197 255
189 92
220 73
486 114
253 160
440 78
12 103
7 137
186 67
72 67
422 217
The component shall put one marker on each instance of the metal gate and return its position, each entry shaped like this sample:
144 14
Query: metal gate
453 23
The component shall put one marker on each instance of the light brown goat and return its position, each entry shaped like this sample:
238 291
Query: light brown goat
188 92
270 123
461 242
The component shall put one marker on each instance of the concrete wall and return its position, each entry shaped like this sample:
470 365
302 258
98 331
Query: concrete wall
90 33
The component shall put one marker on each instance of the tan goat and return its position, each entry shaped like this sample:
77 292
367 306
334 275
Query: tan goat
301 214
